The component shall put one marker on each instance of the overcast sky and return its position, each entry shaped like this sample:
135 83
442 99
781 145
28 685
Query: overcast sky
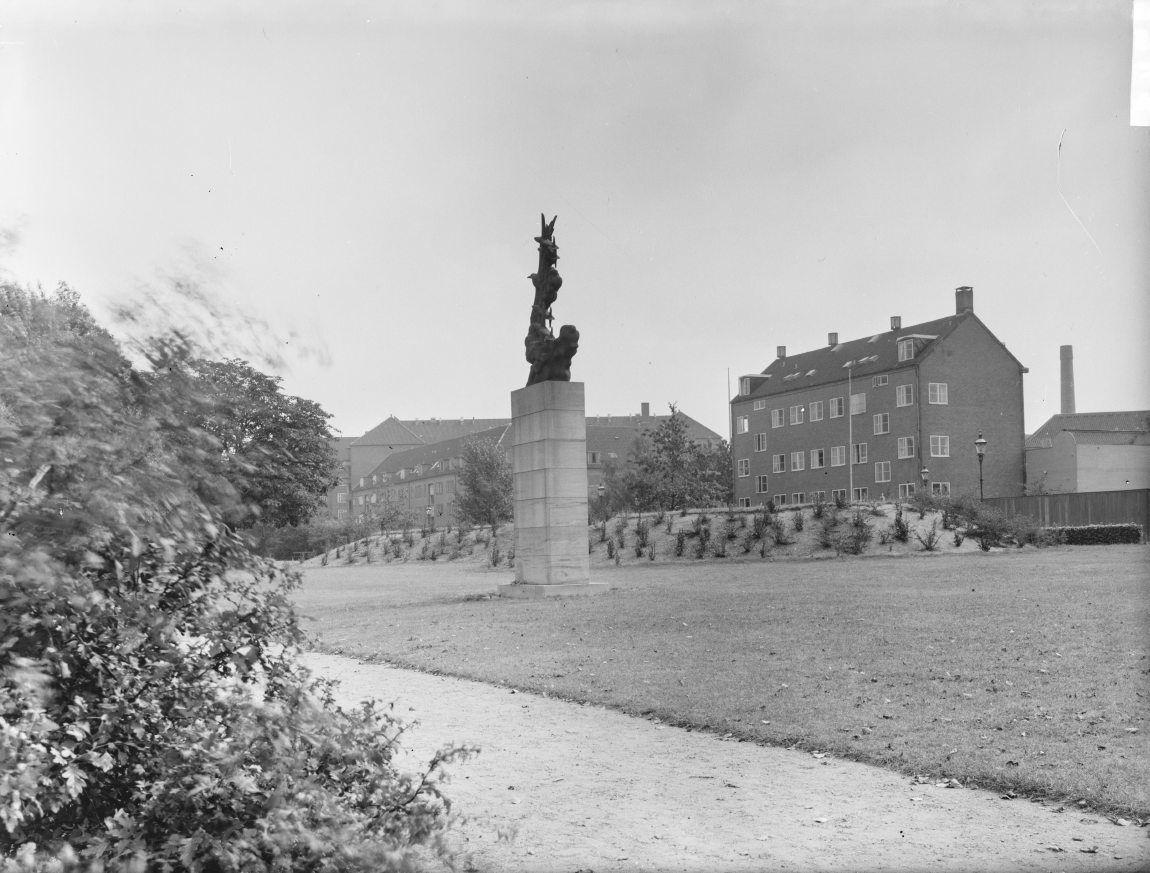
366 178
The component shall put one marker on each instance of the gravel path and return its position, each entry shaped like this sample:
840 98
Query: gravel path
563 787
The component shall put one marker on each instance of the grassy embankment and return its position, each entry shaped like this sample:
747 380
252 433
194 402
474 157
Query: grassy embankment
1022 670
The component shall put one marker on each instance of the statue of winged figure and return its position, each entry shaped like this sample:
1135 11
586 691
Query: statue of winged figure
549 356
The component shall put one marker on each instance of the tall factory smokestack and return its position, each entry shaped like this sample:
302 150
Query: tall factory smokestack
1067 355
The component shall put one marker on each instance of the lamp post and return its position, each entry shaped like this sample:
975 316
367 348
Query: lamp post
980 449
600 491
925 474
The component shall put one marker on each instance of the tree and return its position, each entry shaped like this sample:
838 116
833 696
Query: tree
274 448
486 487
152 716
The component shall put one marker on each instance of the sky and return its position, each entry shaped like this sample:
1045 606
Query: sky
358 184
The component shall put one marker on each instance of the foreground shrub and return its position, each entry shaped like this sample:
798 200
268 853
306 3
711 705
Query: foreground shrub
1097 534
153 713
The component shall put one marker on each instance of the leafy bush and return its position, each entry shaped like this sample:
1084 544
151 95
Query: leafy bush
660 517
820 508
798 521
900 531
930 541
840 501
642 532
1098 534
719 549
770 507
748 542
153 713
611 548
731 527
680 543
959 538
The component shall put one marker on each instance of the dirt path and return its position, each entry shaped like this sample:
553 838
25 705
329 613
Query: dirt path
581 788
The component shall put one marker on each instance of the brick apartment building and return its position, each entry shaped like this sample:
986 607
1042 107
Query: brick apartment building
883 416
423 477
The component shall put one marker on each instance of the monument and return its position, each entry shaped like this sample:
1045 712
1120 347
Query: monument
549 450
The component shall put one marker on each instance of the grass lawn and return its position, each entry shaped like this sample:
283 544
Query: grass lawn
1021 670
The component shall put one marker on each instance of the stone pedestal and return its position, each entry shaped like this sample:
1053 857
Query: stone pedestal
549 460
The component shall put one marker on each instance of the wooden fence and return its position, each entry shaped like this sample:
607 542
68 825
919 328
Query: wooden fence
1089 507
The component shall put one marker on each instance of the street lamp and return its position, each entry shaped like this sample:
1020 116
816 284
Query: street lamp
980 448
925 474
600 491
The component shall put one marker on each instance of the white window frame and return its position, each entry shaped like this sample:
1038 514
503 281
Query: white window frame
906 447
879 381
798 461
905 349
798 414
744 467
941 489
905 490
858 453
778 417
341 497
745 502
816 410
799 497
858 403
937 393
837 404
939 445
820 496
761 484
742 424
838 456
882 471
861 494
881 423
838 492
779 463
779 499
818 459
760 442
904 395
760 405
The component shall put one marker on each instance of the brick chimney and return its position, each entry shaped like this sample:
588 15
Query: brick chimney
963 299
832 339
1066 353
895 322
645 410
781 352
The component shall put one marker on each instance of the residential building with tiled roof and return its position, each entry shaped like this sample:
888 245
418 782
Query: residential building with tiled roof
338 497
1090 451
883 415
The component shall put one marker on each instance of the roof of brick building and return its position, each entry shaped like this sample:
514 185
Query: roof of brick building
1095 428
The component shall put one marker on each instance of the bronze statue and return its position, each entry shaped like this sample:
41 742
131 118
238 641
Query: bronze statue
549 356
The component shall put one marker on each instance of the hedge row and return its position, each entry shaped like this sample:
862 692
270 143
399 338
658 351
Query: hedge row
1098 534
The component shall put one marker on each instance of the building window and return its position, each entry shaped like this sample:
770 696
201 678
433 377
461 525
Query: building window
882 423
760 405
778 463
879 381
745 385
760 442
942 489
858 453
838 456
592 457
611 455
743 424
861 494
360 481
820 497
374 479
906 490
882 471
904 395
816 410
905 349
839 494
341 497
936 392
906 447
779 500
777 418
744 466
761 484
939 446
836 407
818 459
359 499
858 404
745 502
798 461
374 497
798 413
798 497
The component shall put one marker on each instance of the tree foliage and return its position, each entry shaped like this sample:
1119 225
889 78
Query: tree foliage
153 714
485 485
666 469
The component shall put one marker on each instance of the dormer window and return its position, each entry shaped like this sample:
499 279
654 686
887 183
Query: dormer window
745 385
905 349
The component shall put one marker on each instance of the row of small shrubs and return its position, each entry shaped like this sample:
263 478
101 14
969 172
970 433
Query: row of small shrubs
1097 534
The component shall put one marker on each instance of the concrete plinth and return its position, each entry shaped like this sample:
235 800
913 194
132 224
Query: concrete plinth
549 462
